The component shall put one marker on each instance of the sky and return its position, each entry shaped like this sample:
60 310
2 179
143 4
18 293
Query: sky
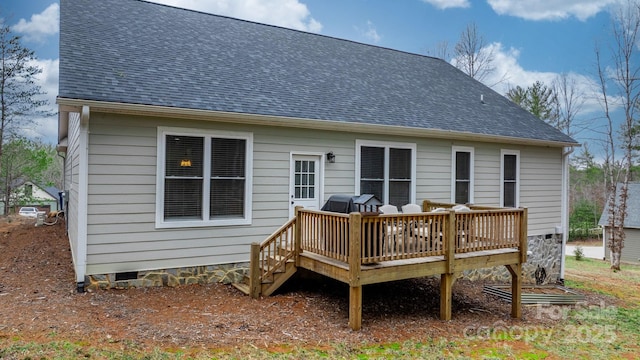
532 40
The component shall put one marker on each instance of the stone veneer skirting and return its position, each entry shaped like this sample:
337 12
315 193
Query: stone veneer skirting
544 252
227 273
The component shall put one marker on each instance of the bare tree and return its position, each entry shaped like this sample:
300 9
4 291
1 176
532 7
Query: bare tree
619 85
473 55
441 51
569 100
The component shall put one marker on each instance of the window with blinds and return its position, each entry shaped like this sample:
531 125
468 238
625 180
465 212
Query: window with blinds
205 179
183 177
509 179
227 177
386 172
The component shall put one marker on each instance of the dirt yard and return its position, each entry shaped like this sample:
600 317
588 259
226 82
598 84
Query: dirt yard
39 303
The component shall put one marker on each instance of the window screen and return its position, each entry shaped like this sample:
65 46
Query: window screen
463 177
510 178
372 171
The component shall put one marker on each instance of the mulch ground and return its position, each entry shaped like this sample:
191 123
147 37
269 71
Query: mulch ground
40 303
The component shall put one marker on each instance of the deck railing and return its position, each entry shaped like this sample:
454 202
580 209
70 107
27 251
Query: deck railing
479 230
405 236
325 233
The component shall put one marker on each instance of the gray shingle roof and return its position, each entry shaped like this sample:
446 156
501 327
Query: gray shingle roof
633 207
143 53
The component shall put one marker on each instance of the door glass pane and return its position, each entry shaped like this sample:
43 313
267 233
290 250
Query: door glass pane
304 179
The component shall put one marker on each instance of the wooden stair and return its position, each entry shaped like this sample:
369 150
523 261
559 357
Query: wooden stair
272 262
270 284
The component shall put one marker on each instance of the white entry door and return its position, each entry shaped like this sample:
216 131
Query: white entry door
306 182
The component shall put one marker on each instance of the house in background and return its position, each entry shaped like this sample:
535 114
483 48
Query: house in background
46 198
631 249
190 136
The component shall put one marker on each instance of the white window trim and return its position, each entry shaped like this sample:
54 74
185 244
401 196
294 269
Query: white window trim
160 172
387 145
470 150
504 152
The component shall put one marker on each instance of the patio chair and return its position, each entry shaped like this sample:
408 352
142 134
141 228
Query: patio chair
418 232
392 228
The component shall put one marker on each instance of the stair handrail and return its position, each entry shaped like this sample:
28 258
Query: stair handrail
270 255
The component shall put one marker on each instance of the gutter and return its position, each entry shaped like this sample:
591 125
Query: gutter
564 215
292 122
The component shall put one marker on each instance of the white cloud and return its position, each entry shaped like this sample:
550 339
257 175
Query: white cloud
286 13
46 128
41 25
550 9
509 74
444 4
370 32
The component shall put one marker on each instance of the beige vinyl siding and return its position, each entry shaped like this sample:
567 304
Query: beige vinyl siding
122 184
433 170
541 187
631 249
122 177
72 172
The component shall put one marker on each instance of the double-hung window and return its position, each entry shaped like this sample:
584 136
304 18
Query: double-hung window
204 178
462 175
509 178
386 170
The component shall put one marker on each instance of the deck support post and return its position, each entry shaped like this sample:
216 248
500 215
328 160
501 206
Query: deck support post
446 295
255 284
355 307
355 260
516 290
447 279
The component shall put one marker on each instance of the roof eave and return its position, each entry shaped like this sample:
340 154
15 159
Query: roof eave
271 120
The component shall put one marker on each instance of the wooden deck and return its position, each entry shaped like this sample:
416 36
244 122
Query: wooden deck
360 249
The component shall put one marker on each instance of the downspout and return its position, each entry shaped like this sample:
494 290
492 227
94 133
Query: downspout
83 198
565 208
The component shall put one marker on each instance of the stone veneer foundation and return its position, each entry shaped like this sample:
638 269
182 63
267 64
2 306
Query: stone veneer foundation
544 252
227 273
